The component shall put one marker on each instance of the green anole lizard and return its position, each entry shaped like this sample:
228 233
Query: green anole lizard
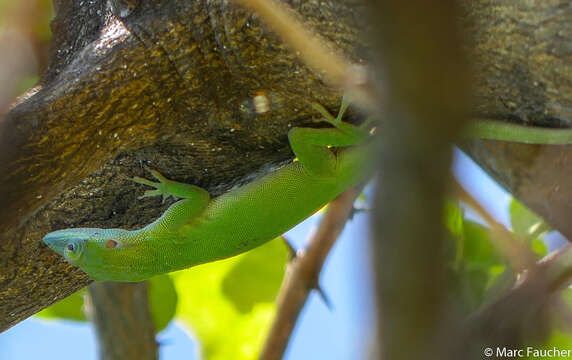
200 229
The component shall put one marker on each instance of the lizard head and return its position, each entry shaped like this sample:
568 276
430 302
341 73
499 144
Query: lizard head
104 254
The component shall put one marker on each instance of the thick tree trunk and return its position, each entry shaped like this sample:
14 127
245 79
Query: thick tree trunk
170 84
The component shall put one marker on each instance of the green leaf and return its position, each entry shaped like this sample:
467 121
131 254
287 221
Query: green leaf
362 197
480 265
524 222
162 300
229 304
479 251
560 338
539 247
69 308
454 218
454 224
241 285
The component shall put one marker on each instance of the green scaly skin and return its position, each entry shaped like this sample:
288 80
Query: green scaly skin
198 229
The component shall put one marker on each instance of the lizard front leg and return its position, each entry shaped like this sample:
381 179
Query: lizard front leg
195 200
312 146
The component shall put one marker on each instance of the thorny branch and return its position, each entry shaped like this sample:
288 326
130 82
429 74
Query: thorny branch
302 274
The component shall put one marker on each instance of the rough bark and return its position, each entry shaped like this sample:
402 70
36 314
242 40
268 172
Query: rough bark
522 55
170 84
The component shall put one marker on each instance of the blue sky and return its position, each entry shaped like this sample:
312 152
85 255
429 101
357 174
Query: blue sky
343 333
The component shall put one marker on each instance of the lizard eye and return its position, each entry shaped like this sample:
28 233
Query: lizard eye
73 250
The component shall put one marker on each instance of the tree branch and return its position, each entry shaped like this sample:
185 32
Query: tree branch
120 313
303 274
425 75
523 312
161 86
175 81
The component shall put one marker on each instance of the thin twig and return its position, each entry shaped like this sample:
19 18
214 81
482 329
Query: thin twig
302 276
320 56
522 312
517 254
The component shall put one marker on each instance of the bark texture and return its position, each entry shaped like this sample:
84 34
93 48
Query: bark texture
522 55
167 84
171 85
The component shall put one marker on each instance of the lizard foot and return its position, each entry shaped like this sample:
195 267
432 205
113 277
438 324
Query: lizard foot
359 132
161 187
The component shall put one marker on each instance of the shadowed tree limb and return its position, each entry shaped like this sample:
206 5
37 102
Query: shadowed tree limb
525 311
170 85
166 86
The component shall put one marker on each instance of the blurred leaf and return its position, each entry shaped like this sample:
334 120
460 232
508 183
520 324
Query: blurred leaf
495 273
454 218
162 300
479 251
205 306
454 223
362 197
42 28
244 288
539 247
566 295
478 265
524 222
69 308
558 340
561 338
26 83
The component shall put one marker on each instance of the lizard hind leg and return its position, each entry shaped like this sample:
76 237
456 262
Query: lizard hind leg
312 146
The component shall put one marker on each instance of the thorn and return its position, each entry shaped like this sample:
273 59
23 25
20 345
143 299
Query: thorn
358 210
291 251
325 298
164 342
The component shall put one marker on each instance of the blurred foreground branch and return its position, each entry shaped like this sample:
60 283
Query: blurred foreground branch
522 312
517 254
421 66
303 273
